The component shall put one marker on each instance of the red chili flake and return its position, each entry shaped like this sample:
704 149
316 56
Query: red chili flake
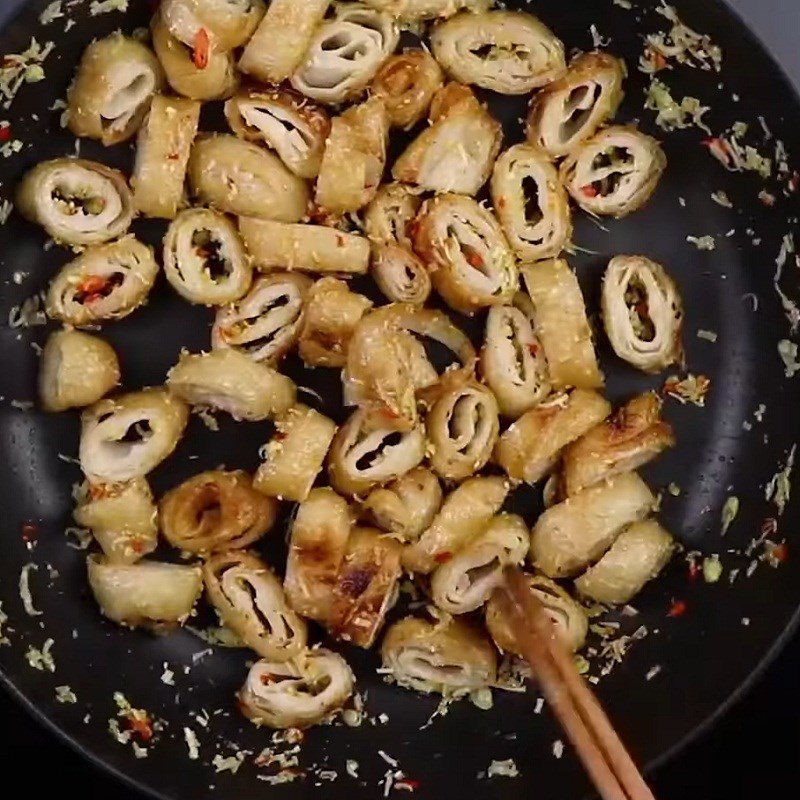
718 148
141 727
408 783
390 413
5 133
589 190
780 552
339 240
656 59
92 288
173 157
694 571
30 530
443 557
794 181
501 202
473 257
677 609
202 49
533 349
266 679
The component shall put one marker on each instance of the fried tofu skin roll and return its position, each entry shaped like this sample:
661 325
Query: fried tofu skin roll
642 313
221 24
214 512
295 454
561 324
633 435
457 151
640 552
295 128
76 370
148 594
614 172
530 447
400 275
249 599
466 253
239 177
438 657
227 380
77 202
204 258
297 693
407 82
113 87
122 517
530 203
573 534
127 436
509 52
466 511
572 108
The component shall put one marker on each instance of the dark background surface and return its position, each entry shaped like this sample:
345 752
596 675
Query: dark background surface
753 749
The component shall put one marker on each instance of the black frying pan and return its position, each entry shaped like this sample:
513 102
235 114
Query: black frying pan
707 656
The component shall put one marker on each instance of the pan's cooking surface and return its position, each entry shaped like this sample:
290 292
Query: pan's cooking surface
703 655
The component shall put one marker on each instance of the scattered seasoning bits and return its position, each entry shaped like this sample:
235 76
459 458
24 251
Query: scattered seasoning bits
652 672
137 719
779 487
681 43
227 764
692 389
558 748
674 489
702 242
41 659
745 621
351 768
729 511
25 589
107 6
503 769
64 694
168 676
721 199
482 698
709 336
3 620
192 743
788 352
712 569
672 115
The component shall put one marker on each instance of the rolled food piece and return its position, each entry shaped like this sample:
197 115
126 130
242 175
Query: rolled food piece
400 275
223 24
407 82
421 10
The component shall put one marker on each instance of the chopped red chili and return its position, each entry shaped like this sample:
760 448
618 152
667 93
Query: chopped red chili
677 609
202 49
5 133
443 557
589 190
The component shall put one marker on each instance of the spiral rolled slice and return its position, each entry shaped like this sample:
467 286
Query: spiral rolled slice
575 533
215 511
530 203
148 594
227 380
122 518
457 151
224 24
297 693
76 370
633 435
448 658
399 274
115 82
127 436
567 616
311 248
614 172
295 454
345 53
289 123
561 324
390 215
466 511
468 579
250 601
354 158
421 10
642 313
407 82
77 202
530 447
509 52
572 108
162 155
266 323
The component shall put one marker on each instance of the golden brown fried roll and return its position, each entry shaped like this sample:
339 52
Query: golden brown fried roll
406 506
265 324
112 90
227 380
420 10
530 203
345 53
407 82
311 248
122 518
295 128
468 579
224 24
282 38
529 448
510 52
127 436
464 248
354 158
297 693
75 370
640 552
568 617
147 594
642 313
295 454
162 154
390 215
77 202
215 511
400 275
569 110
456 152
443 657
561 325
614 172
633 435
575 533
466 511
249 599
204 258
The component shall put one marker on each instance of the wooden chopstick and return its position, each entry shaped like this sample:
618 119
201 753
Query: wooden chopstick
600 749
